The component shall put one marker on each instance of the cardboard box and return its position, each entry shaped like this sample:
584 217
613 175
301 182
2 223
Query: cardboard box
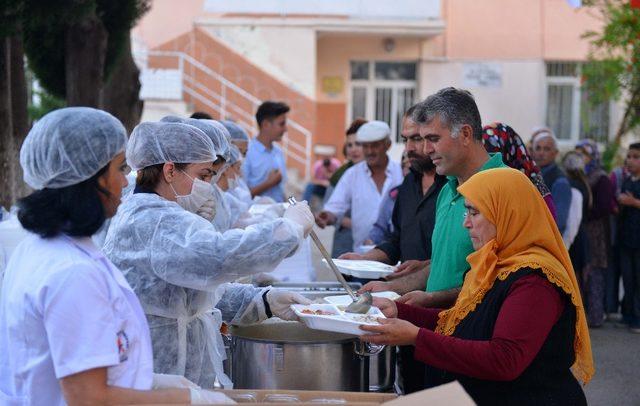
451 394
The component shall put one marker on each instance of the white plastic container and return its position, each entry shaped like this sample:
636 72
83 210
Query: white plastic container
362 268
335 319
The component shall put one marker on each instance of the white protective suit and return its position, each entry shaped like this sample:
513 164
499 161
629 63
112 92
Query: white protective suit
225 218
242 191
178 265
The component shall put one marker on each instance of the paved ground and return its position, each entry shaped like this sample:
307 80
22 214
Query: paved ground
616 352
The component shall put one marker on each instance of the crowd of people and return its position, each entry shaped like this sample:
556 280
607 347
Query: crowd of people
506 253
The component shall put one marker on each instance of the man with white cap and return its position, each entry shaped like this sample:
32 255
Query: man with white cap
363 186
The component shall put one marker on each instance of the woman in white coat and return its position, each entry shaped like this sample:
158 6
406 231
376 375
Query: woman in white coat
179 264
71 328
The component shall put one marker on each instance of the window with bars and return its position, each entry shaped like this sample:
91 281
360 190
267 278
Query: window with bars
383 90
569 112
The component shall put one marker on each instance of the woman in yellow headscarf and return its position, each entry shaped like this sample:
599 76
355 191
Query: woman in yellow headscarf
518 328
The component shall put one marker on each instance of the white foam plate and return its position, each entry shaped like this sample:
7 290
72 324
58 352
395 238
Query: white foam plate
337 321
362 268
345 300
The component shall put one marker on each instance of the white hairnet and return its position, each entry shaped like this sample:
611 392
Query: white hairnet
156 143
70 145
222 143
217 132
236 132
234 154
172 119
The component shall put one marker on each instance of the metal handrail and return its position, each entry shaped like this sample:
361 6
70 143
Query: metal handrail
225 105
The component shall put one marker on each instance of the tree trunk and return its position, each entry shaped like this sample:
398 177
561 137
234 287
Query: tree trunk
120 95
6 127
19 112
85 53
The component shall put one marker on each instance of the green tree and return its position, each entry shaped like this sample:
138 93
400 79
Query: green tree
13 101
79 51
612 71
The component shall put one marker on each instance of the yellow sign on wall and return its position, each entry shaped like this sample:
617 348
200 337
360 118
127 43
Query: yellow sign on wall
332 85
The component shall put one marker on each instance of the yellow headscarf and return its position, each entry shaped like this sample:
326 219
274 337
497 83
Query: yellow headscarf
526 237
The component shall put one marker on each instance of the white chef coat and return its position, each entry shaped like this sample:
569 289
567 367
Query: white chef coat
357 191
64 309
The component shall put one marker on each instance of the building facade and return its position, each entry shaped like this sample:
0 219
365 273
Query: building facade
334 60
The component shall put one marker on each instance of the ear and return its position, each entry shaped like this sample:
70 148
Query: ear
169 171
466 135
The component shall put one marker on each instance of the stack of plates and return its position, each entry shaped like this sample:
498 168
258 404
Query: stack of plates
362 268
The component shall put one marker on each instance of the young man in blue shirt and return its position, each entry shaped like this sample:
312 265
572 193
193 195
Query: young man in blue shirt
265 166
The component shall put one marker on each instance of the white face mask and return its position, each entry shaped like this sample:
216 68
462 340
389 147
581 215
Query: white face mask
201 192
232 182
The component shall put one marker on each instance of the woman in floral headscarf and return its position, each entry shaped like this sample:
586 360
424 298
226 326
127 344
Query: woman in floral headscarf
499 137
598 233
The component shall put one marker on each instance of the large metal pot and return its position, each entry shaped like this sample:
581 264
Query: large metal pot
382 366
382 370
289 355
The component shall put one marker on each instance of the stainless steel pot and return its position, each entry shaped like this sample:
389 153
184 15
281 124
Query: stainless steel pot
289 355
382 366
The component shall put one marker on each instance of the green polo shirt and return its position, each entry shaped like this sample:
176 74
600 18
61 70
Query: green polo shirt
450 241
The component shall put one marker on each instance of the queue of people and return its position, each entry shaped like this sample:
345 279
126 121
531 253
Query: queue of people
504 258
491 234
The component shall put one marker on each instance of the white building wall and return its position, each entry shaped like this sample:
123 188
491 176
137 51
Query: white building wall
286 53
354 8
518 101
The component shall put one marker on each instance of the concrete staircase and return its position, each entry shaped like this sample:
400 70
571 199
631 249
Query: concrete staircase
196 72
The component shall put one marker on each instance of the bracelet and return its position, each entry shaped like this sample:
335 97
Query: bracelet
267 308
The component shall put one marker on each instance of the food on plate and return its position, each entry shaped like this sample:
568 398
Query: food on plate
363 318
318 312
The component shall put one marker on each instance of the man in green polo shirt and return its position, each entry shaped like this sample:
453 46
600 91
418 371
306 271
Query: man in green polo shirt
449 122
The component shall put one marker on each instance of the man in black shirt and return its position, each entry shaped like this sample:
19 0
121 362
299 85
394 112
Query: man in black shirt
413 219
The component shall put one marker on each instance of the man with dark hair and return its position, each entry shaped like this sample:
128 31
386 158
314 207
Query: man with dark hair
265 167
201 115
413 219
450 124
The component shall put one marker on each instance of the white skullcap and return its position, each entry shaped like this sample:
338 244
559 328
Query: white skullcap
373 131
70 145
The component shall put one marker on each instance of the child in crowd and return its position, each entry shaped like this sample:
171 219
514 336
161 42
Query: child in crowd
628 232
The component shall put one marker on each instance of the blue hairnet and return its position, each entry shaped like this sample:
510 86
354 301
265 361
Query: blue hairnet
155 143
70 145
236 132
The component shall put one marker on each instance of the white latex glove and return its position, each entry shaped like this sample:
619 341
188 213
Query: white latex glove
280 302
206 397
264 279
165 381
263 200
301 214
207 210
277 209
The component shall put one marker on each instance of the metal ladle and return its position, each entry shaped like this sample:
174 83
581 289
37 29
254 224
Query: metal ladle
361 303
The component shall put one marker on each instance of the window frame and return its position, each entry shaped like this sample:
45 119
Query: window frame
575 82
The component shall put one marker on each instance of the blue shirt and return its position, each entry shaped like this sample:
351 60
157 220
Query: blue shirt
259 162
561 193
